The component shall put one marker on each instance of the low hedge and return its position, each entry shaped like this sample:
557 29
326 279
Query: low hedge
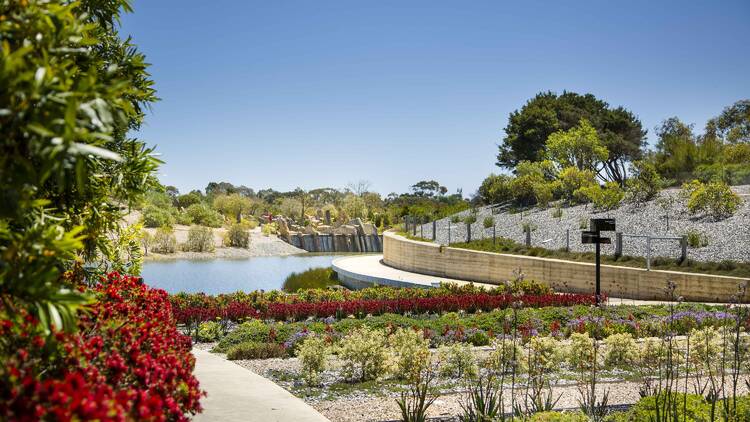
256 350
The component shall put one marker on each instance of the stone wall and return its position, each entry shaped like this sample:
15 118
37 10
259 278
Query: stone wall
336 242
565 276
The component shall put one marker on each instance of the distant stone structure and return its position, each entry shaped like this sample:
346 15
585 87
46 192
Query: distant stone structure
354 236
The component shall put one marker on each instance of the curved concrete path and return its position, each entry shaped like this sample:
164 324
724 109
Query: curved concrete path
363 270
236 394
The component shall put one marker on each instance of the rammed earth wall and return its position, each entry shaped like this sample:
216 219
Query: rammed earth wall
563 276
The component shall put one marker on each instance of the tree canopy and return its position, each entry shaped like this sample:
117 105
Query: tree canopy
529 128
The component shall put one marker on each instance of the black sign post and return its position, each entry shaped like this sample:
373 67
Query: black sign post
598 225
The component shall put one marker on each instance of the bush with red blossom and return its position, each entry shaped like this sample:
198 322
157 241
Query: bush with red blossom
126 361
192 313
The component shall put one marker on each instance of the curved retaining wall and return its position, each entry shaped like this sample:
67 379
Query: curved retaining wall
566 276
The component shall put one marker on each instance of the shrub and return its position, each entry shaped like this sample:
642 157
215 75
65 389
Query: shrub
410 353
607 198
237 236
470 219
314 278
645 182
696 239
164 241
581 351
455 219
544 193
269 229
204 215
505 356
544 355
652 353
313 355
523 188
714 199
477 337
255 350
184 218
364 354
125 361
457 361
488 222
559 417
154 216
621 350
199 239
496 188
251 331
209 331
691 407
572 180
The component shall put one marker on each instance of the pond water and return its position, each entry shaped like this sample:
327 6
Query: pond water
229 275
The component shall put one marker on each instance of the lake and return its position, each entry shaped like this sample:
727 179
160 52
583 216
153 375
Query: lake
214 276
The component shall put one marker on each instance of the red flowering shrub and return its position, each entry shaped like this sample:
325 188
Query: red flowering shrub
127 361
211 309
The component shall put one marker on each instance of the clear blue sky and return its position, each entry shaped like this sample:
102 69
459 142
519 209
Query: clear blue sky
319 93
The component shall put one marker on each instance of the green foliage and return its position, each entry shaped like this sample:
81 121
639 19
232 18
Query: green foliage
488 222
154 216
354 206
496 189
605 199
572 180
559 417
203 215
233 206
209 331
645 182
578 147
457 361
364 354
470 219
71 90
314 278
581 354
251 331
530 127
715 199
313 355
164 241
410 353
689 408
199 239
621 350
696 239
419 396
557 212
237 236
254 350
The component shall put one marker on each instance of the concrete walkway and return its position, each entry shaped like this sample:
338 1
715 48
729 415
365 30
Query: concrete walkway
362 270
236 394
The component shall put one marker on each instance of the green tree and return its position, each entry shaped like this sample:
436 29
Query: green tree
528 129
578 147
70 91
733 124
233 205
676 150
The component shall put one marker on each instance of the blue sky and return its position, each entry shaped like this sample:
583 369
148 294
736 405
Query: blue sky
320 93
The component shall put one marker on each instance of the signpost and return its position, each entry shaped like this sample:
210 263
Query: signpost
593 235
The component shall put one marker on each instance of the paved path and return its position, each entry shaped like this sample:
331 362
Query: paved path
369 269
236 394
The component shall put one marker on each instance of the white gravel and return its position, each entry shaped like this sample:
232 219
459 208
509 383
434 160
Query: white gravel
728 239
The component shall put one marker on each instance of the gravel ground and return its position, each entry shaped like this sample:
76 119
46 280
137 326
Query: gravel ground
379 403
728 239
